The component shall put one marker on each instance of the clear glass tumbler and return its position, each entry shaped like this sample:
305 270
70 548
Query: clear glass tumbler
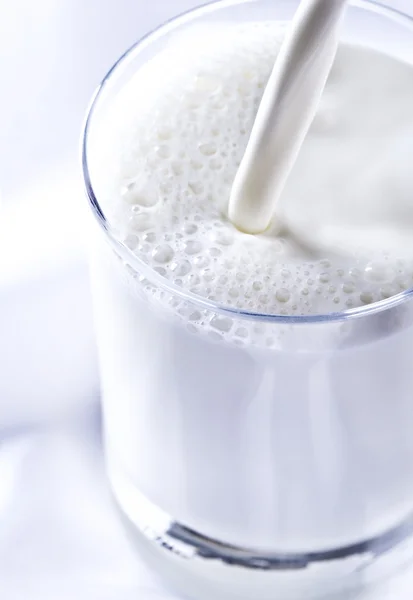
278 467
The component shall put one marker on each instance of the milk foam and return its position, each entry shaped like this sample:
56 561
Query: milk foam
177 134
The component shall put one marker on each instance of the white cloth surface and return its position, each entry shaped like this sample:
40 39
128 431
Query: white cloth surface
59 534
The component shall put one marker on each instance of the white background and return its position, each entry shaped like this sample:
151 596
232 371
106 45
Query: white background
59 537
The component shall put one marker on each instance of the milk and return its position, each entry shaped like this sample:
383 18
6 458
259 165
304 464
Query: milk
273 435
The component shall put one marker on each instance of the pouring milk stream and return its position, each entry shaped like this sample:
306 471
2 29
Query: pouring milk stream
286 112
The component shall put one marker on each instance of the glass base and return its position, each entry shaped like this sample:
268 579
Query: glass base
201 568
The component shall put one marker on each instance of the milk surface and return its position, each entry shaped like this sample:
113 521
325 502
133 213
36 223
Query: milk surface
341 237
282 438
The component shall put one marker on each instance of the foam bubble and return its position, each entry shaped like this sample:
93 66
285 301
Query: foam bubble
181 268
163 253
193 247
283 295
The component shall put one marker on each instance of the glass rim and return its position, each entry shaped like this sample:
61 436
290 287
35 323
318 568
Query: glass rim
143 268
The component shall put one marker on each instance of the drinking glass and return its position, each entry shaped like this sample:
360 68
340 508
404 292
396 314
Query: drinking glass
252 455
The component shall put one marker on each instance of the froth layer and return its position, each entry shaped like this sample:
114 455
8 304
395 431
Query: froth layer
172 144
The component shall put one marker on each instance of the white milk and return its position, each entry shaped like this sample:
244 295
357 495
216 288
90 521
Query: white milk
278 437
